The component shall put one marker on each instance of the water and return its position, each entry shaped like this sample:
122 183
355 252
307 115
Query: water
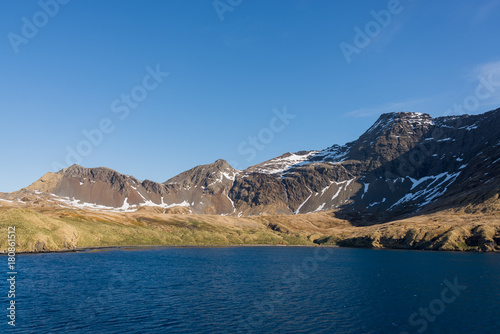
256 290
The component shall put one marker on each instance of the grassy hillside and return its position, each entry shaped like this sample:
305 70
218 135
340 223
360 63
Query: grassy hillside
49 229
44 231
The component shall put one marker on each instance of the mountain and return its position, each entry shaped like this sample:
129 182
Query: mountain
203 189
404 164
206 187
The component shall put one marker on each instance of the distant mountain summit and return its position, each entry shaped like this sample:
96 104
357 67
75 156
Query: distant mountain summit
405 163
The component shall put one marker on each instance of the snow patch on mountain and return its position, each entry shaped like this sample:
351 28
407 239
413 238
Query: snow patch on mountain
282 163
433 187
75 203
300 206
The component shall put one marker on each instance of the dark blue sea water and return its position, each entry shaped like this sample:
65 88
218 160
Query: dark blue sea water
256 290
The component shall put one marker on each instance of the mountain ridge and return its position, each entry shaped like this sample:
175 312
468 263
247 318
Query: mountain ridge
403 164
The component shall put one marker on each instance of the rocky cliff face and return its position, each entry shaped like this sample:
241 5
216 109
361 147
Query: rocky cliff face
405 163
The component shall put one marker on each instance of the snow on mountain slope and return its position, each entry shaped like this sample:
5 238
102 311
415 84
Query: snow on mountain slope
282 163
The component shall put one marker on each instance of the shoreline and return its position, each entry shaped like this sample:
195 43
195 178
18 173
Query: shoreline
144 247
152 247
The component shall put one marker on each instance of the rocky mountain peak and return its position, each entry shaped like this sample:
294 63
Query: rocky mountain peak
218 172
392 135
406 115
221 164
99 174
390 121
73 169
78 171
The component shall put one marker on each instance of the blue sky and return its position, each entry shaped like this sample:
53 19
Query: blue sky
232 67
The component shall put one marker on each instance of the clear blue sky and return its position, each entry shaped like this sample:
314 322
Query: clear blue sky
226 77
